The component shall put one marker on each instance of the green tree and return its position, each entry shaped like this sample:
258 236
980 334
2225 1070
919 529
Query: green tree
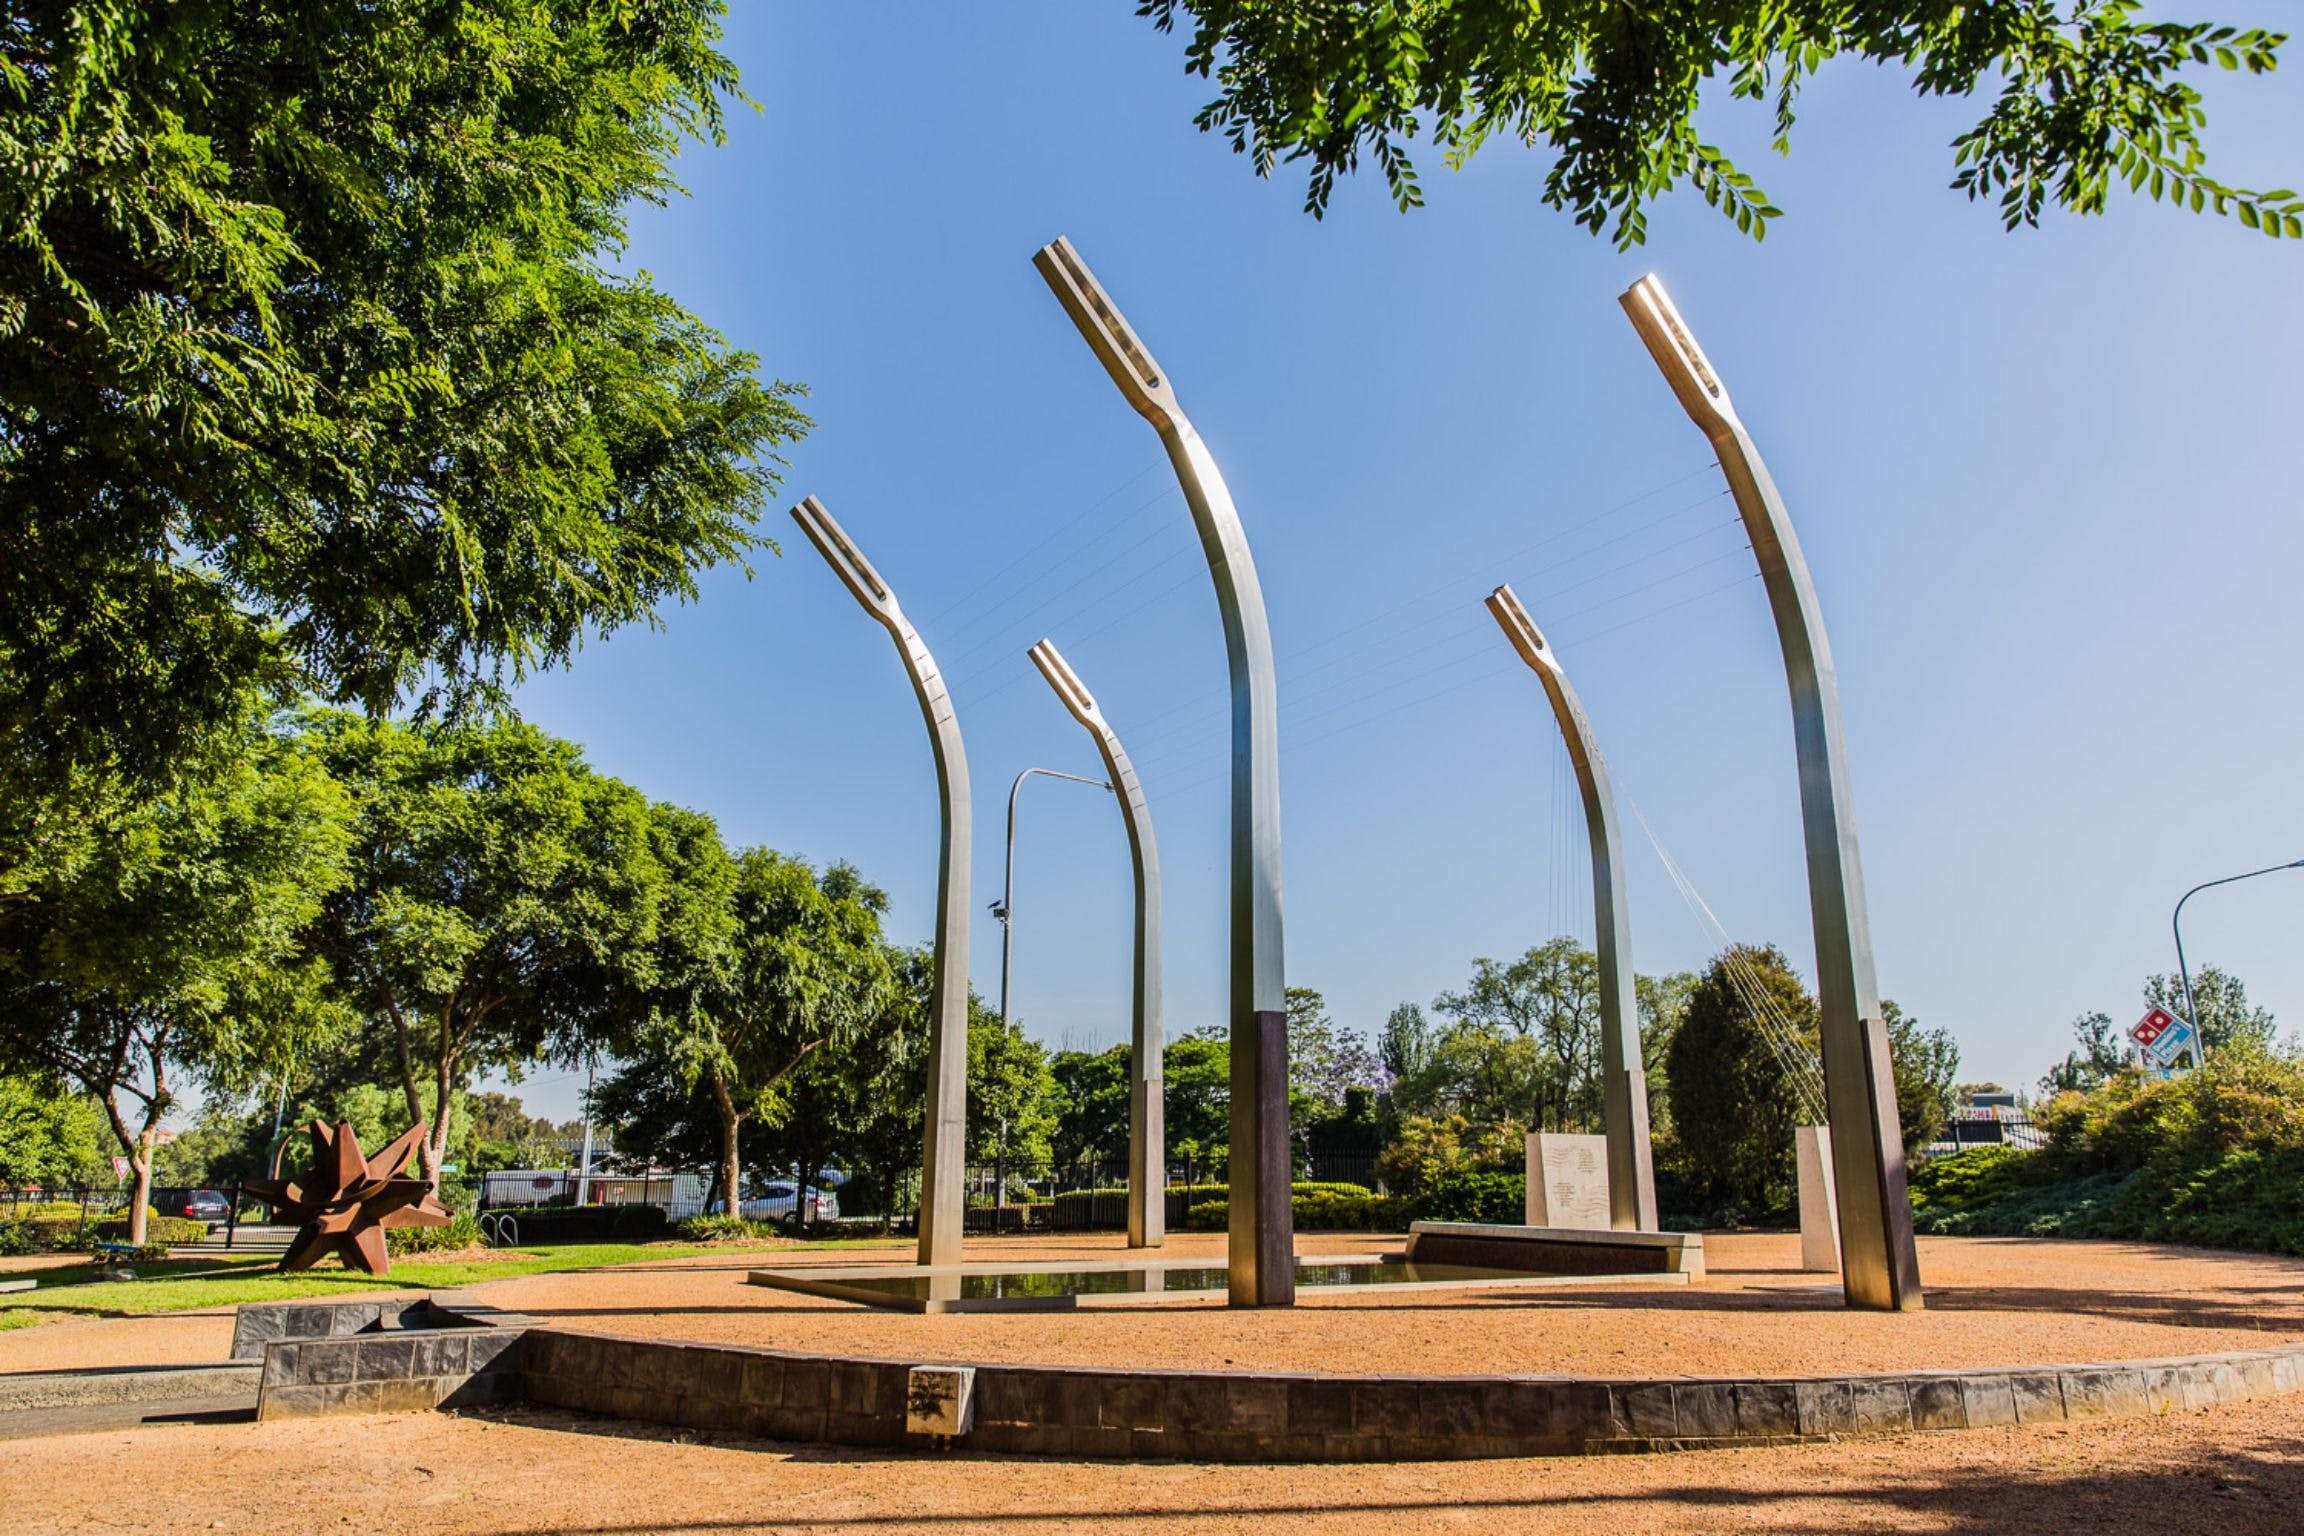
1405 1041
49 1137
1092 1107
1926 1066
884 1071
2087 94
1733 1110
1196 1101
2227 1021
503 900
1012 1102
176 945
320 368
2097 1055
1663 1002
1549 998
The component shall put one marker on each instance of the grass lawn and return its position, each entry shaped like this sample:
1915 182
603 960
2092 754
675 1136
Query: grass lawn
179 1285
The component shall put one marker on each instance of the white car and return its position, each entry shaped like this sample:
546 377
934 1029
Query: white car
778 1201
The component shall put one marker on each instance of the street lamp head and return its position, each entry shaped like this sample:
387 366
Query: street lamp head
1512 617
1070 691
1674 347
1107 332
847 561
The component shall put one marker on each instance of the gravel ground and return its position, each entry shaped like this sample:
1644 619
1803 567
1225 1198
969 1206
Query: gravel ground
1991 1301
2233 1472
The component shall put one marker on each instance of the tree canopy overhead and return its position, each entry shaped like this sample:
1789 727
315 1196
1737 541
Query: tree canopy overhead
312 367
2086 94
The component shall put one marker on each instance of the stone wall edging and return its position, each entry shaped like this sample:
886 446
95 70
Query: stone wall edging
1215 1416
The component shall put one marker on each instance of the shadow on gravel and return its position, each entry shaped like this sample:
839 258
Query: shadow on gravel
2252 1490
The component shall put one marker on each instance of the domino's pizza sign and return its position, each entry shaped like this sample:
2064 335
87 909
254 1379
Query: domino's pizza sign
2164 1038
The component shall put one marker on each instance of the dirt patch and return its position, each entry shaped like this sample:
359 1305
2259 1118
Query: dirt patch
2235 1471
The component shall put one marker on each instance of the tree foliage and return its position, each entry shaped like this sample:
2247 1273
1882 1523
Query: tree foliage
2087 95
313 366
176 943
503 900
1733 1111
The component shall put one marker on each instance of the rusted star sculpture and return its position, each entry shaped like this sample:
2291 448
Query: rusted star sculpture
347 1200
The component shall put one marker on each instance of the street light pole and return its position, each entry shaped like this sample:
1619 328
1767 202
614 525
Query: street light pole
1005 907
2183 971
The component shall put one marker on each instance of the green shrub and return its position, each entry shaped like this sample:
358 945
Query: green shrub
1499 1197
461 1232
1327 1208
2214 1158
159 1231
723 1229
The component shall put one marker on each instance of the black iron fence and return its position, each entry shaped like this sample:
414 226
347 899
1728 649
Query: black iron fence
1962 1133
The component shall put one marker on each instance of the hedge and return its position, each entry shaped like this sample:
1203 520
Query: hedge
1323 1210
462 1231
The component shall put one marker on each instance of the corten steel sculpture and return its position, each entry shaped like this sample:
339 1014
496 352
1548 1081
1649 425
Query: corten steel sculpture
1261 1262
1880 1268
945 1143
1147 1134
1624 1089
348 1200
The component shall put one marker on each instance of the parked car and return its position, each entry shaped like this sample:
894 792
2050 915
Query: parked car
206 1205
778 1201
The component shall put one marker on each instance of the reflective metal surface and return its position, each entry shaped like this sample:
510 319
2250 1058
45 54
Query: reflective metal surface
1624 1086
1262 1252
943 1162
1147 1135
1880 1268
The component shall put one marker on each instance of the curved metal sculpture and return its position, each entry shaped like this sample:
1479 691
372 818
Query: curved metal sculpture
1880 1268
942 1165
1624 1086
1261 1260
1147 1132
349 1200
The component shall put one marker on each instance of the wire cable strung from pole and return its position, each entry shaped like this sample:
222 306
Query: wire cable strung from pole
1034 621
1486 568
1030 550
1017 611
1203 737
1803 1069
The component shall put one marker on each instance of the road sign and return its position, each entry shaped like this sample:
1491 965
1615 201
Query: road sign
119 1168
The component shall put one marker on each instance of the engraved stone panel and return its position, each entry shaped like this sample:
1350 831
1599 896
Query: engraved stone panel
1567 1181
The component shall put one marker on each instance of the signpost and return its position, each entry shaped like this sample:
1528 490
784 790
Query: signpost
2165 1039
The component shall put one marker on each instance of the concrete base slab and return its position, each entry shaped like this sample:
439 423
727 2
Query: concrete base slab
99 1418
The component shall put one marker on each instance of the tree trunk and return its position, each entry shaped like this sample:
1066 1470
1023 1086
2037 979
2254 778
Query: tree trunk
443 1087
729 1119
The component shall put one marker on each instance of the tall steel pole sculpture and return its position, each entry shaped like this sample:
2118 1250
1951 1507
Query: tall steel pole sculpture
1261 1261
1879 1267
1624 1087
944 1139
1147 1130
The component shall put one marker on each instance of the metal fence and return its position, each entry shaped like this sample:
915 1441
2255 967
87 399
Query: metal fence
1962 1133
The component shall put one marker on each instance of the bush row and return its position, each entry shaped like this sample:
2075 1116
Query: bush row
2214 1159
461 1232
589 1223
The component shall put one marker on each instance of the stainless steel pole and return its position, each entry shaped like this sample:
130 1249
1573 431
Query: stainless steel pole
1879 1265
1147 1133
2184 971
944 1138
1261 1258
1624 1077
1006 910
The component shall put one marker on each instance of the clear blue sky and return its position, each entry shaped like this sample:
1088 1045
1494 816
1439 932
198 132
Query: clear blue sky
2046 482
